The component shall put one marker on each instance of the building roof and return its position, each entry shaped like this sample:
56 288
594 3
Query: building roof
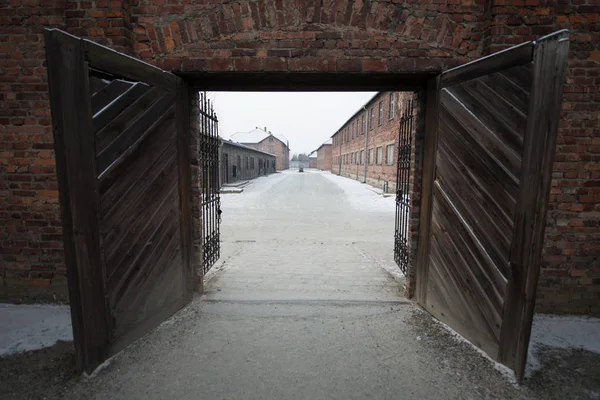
361 109
231 143
257 135
328 142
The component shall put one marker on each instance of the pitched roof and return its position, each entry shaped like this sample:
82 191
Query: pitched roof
257 135
328 142
232 143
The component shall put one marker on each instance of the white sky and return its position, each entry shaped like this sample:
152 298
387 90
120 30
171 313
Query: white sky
306 119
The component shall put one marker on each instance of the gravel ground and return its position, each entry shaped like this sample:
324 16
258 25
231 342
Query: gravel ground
283 318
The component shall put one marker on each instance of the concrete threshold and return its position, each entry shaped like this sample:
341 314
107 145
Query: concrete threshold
332 302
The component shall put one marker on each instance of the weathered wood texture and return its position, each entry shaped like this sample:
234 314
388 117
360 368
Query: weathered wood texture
78 192
549 67
496 134
474 192
125 193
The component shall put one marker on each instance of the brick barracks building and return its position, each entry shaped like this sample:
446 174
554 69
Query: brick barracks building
241 162
324 156
265 141
364 148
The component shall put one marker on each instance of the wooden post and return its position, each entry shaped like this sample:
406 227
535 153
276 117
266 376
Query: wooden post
432 102
549 65
68 82
182 116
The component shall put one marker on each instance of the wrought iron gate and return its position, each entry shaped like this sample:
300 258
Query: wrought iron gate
210 202
402 188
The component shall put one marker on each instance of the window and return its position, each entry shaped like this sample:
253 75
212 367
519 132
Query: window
271 149
380 113
390 154
379 155
251 162
392 105
356 158
270 138
247 162
364 124
371 155
239 162
362 157
372 121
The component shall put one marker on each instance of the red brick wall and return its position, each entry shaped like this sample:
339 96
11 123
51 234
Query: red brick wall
280 150
30 228
324 157
570 276
276 35
350 140
312 162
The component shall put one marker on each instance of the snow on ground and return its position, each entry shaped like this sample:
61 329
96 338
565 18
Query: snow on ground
360 196
562 332
256 187
32 327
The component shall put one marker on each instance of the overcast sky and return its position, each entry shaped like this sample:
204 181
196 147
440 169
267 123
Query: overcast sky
306 119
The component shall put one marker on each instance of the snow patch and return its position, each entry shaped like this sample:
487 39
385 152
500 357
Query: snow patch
562 332
99 368
361 196
255 188
27 327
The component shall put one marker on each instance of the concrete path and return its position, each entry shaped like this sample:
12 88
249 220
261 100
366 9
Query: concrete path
299 237
303 304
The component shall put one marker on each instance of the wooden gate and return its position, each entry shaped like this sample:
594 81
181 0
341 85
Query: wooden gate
490 139
122 158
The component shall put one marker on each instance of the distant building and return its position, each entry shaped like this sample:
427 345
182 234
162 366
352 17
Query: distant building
324 159
241 162
264 140
312 161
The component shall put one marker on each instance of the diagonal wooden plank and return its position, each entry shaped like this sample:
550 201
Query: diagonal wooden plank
484 136
496 242
508 90
473 310
126 223
115 127
520 76
134 133
97 84
137 167
104 115
465 316
158 137
471 261
510 123
108 93
157 219
142 296
494 180
468 181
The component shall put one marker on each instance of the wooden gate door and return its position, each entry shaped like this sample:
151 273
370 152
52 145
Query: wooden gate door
491 134
122 157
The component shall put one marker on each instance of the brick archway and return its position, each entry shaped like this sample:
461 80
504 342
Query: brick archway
284 36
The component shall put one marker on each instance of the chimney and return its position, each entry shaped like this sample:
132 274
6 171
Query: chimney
265 128
270 133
